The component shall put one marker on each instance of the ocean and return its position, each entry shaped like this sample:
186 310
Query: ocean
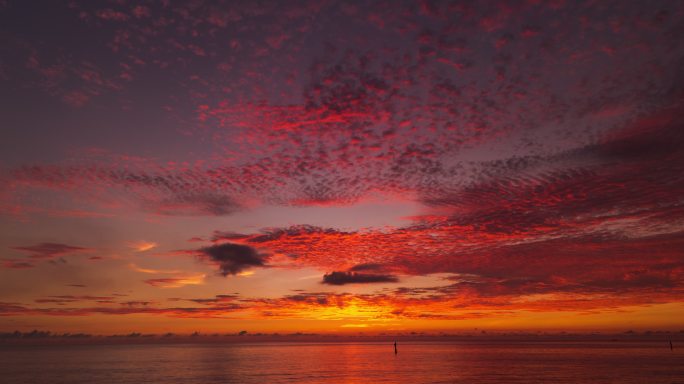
416 362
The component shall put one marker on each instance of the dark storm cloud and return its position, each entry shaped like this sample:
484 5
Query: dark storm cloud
342 278
234 258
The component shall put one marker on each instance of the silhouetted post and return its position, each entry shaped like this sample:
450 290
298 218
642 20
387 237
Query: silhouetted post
395 348
671 348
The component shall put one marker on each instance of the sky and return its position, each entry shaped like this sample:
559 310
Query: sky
341 167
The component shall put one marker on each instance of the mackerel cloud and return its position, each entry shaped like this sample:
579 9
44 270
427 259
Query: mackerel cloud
541 141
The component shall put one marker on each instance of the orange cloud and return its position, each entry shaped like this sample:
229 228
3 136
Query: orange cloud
143 246
176 282
152 271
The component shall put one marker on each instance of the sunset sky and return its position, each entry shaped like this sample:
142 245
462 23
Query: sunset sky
340 166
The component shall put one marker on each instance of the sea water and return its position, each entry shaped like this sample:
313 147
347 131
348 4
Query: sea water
436 362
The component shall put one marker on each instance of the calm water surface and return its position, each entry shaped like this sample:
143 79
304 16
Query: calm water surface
547 362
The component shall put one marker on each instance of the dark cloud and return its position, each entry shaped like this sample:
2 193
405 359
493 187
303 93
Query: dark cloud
309 298
50 250
234 258
66 299
15 309
342 278
136 303
216 299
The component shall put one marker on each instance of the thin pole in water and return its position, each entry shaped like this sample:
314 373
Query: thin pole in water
395 348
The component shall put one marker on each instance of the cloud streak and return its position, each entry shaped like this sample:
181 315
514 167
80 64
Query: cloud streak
50 250
342 278
176 282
